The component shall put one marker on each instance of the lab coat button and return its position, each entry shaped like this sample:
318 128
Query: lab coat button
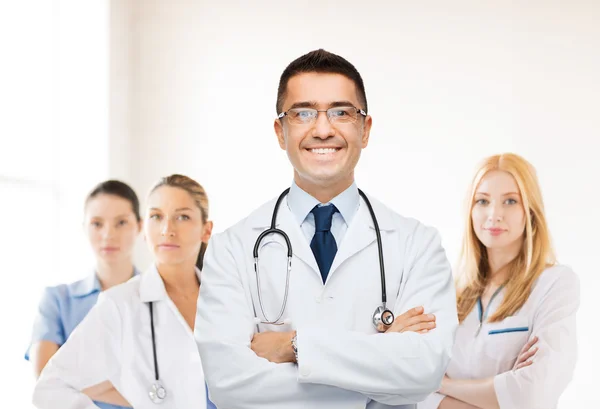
304 371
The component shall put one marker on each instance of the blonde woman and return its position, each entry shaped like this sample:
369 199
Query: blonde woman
138 339
516 344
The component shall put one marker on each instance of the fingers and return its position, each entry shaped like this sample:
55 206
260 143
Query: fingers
523 364
528 354
525 359
529 344
400 320
421 327
419 319
412 320
527 350
413 312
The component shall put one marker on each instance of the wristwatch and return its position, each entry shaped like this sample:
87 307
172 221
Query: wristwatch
295 347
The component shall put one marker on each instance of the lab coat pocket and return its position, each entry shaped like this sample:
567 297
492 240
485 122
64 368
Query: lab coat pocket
505 339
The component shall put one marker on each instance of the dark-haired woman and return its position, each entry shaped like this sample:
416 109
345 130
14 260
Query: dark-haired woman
112 223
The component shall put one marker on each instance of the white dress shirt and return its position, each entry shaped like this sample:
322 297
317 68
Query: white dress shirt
301 203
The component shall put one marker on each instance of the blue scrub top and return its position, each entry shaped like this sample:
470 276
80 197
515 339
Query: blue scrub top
62 308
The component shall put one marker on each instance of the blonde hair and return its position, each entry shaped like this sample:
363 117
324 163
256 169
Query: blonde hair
197 193
536 253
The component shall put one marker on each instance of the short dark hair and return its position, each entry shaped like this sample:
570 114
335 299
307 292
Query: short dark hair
119 189
321 61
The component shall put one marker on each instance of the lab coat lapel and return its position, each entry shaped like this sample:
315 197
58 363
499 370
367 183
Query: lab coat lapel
359 235
152 289
300 245
261 220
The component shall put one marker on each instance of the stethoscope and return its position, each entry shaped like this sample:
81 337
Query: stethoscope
381 317
157 392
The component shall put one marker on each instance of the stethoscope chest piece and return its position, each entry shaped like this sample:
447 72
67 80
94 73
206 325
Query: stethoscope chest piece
157 393
382 317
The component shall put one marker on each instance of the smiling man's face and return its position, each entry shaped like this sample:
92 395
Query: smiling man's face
323 154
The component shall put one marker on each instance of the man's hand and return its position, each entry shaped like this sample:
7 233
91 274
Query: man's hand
526 353
413 320
274 346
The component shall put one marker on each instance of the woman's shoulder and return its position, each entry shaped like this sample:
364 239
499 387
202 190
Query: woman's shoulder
559 272
126 293
558 277
82 288
64 291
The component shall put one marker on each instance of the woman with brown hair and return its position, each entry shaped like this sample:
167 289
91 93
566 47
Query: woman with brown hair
511 295
138 339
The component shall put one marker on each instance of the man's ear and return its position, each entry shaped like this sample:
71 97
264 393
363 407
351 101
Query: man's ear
367 130
278 126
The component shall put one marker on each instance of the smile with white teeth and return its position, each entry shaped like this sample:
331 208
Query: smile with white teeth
323 151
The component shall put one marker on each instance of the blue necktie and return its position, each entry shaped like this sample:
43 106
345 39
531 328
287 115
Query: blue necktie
323 243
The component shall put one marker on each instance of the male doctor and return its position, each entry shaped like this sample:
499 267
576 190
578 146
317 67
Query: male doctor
325 351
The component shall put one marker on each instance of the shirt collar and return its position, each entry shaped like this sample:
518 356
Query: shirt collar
152 287
90 285
301 203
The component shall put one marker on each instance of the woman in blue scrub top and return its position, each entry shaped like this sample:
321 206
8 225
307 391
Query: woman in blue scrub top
112 224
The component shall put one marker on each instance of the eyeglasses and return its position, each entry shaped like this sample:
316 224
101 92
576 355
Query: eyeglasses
306 116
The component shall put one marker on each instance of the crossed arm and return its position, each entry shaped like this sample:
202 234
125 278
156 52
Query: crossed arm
77 373
238 378
276 347
530 384
42 351
480 393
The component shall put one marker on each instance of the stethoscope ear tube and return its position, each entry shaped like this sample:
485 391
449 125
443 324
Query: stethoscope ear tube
273 230
379 247
150 305
157 392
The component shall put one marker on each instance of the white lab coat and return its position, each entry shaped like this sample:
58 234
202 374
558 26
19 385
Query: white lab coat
343 363
114 343
491 351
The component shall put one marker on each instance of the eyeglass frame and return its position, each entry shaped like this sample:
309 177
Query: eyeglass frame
358 111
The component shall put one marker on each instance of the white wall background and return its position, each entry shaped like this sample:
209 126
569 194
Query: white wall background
137 89
447 84
53 149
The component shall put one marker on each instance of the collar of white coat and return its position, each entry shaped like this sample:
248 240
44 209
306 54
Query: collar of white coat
152 287
261 218
301 203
